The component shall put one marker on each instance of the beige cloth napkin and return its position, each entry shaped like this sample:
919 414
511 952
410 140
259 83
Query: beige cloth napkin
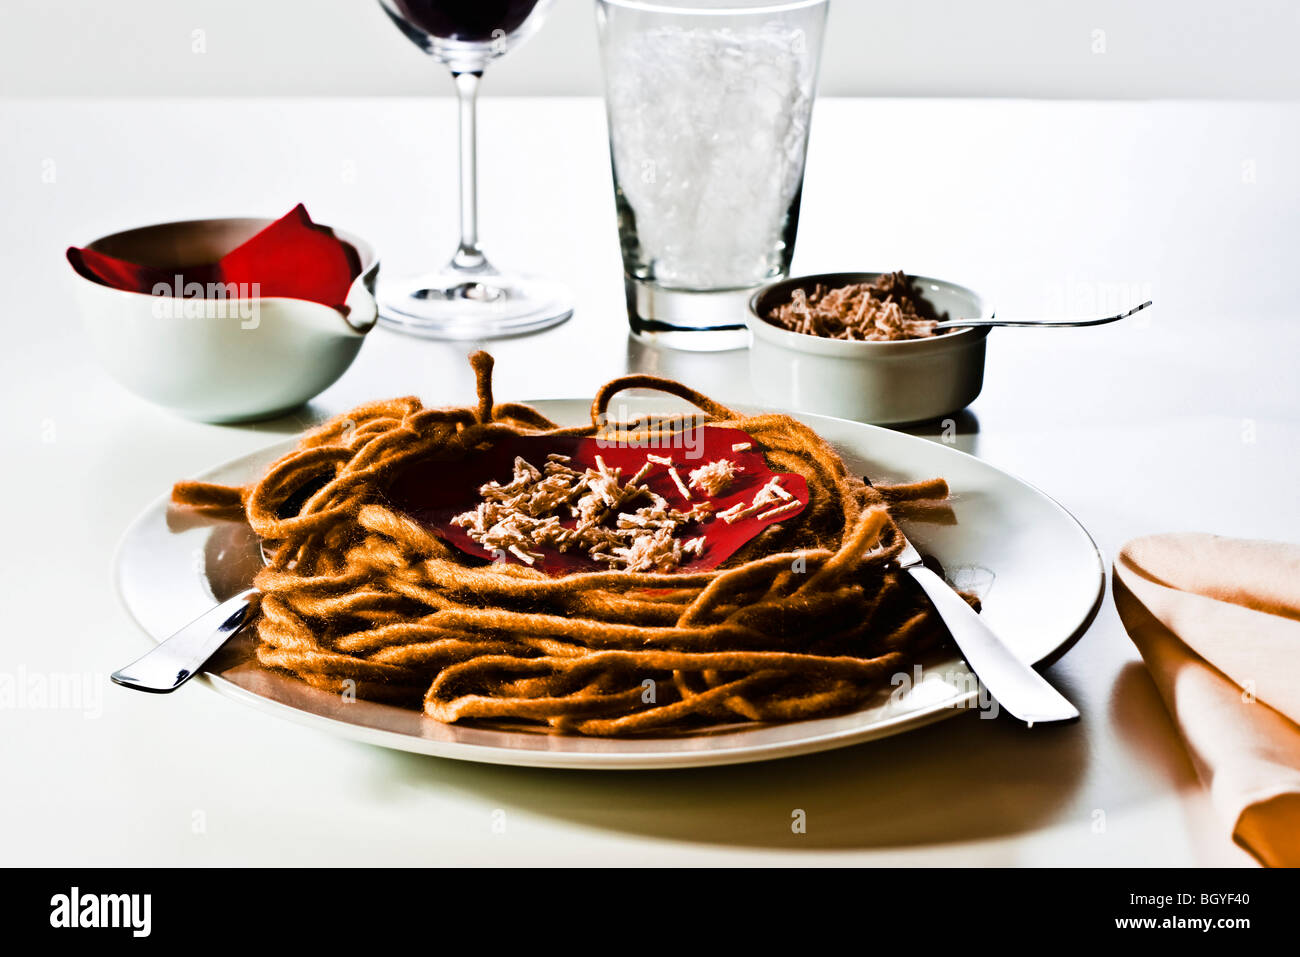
1217 621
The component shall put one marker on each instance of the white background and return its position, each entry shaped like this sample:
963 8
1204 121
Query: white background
1030 48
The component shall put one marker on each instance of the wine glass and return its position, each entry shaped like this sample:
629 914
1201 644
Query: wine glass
469 298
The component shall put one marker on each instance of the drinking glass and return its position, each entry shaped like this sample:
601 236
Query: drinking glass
708 106
469 298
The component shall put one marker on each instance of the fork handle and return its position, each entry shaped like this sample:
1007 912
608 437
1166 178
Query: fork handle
172 662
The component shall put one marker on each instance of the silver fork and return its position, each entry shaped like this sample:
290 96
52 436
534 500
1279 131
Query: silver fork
1016 686
172 662
169 664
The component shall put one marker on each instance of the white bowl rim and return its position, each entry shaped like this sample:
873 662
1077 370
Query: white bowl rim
365 252
860 349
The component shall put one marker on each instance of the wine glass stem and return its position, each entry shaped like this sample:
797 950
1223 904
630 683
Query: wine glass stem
468 256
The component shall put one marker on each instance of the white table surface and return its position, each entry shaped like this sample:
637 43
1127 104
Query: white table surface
1187 417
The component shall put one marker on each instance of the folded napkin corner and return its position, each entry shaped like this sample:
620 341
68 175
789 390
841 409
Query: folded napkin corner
1217 621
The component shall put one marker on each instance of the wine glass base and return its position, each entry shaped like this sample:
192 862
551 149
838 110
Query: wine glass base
462 305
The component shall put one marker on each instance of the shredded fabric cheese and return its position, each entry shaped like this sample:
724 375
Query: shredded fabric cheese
772 492
779 510
714 478
626 526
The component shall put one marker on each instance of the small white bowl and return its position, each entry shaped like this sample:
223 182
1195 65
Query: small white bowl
884 383
219 360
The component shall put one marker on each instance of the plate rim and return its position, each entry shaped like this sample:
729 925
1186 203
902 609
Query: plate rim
637 760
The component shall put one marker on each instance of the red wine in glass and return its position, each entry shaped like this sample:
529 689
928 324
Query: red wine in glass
467 21
469 297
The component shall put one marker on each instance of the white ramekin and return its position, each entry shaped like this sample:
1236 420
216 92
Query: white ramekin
219 360
885 383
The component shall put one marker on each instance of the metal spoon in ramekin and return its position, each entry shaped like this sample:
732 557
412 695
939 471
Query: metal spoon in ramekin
1034 323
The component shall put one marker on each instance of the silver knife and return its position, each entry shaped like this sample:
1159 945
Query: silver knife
1016 686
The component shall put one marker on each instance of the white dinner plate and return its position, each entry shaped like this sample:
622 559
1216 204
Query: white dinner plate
1037 571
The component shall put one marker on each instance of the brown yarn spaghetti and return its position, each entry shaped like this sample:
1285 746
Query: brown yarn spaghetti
807 619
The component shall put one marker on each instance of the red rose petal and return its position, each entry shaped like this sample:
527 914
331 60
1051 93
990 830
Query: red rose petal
292 258
434 492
